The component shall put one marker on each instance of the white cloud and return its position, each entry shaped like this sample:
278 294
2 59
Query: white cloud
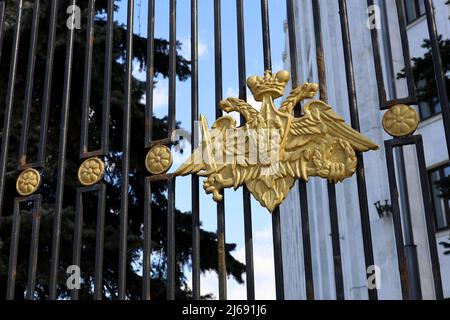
263 267
160 96
186 48
278 66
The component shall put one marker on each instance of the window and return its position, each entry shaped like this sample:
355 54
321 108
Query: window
440 191
430 107
414 9
428 110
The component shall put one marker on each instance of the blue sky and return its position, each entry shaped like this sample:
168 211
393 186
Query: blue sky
265 287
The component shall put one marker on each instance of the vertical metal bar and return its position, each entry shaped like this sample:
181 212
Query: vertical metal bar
171 259
9 102
84 139
412 98
319 51
99 241
123 256
61 160
150 72
377 59
107 77
147 247
354 116
77 237
15 234
48 82
2 23
405 50
336 242
29 84
276 223
222 272
400 157
171 254
334 217
195 201
412 265
438 70
278 254
398 231
249 264
172 66
304 212
431 231
32 264
266 35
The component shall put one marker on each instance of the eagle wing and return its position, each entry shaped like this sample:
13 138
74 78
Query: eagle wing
320 119
202 161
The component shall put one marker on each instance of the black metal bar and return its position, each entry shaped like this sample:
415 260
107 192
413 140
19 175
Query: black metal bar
99 241
172 66
14 247
123 256
15 234
431 231
410 249
48 82
150 73
334 217
416 140
319 51
195 201
398 232
32 264
438 70
147 247
61 161
84 139
107 78
405 49
249 264
278 254
412 98
336 242
9 102
2 23
276 222
304 211
29 85
354 116
171 253
222 267
77 237
266 34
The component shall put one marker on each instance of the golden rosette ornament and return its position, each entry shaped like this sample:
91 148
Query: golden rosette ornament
158 160
28 182
400 120
91 171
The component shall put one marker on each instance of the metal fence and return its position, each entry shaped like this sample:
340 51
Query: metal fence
406 251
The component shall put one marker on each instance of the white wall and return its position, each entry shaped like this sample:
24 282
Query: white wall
376 174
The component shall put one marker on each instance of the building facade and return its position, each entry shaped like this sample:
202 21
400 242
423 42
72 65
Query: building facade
430 127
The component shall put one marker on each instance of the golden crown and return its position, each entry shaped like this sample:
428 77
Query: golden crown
269 84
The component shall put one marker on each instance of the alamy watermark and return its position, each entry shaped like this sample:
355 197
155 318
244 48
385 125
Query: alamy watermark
74 20
374 20
373 277
74 277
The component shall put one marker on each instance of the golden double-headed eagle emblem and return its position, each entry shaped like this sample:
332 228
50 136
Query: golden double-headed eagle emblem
274 147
